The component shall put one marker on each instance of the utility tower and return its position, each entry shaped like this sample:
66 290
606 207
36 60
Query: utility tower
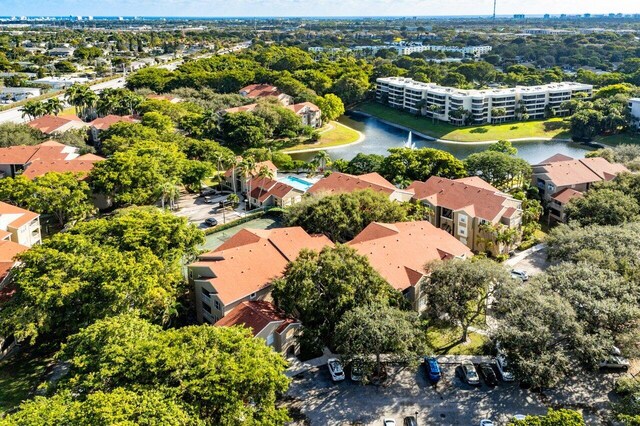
494 9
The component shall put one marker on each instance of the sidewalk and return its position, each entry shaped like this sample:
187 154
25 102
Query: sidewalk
523 254
297 367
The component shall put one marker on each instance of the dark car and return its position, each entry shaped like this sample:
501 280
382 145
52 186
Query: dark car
410 421
211 221
488 374
433 369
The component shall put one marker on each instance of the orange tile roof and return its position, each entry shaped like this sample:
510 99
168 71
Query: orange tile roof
478 182
17 154
297 108
399 251
8 251
342 182
103 123
242 108
263 188
567 194
46 151
255 315
25 216
463 195
250 260
50 123
576 172
555 158
260 91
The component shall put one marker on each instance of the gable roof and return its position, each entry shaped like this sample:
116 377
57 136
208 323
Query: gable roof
468 195
566 195
338 182
45 151
576 172
242 108
250 260
103 123
14 217
260 91
399 251
263 188
299 108
50 123
555 158
81 166
255 315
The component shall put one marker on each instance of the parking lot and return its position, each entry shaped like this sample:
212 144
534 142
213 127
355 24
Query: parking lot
451 402
532 261
194 208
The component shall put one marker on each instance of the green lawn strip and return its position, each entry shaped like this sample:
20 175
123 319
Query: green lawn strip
19 376
551 128
443 341
621 138
338 135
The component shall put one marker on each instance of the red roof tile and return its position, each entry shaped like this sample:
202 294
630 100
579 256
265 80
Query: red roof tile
260 91
50 123
297 108
255 315
103 123
342 182
23 215
567 194
577 172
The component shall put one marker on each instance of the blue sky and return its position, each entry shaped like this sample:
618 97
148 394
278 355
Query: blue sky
308 7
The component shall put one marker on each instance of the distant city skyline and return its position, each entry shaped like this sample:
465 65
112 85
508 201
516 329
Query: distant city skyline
274 8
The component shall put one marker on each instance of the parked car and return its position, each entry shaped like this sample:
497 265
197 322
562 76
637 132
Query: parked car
615 360
410 421
503 367
389 422
433 369
335 369
209 199
212 221
356 370
469 373
487 373
208 192
486 422
520 274
519 417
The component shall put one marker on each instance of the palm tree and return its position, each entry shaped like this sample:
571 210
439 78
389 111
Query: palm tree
498 114
53 106
433 108
169 192
33 110
321 160
83 98
246 168
130 102
264 173
107 102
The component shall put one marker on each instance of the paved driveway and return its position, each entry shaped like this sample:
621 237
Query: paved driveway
196 210
452 402
533 261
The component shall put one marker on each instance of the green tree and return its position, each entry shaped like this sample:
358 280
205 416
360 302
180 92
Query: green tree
561 417
343 216
377 329
503 146
603 207
499 169
586 124
459 290
319 288
33 109
331 106
12 134
158 122
365 163
404 164
221 374
149 407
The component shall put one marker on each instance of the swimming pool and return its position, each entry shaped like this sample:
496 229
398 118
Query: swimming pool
296 182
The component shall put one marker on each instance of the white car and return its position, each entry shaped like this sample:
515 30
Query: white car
503 368
486 422
519 417
519 274
389 422
335 369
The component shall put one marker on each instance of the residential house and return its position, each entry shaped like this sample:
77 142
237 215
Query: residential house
19 225
52 124
59 83
400 251
559 172
101 124
243 268
18 93
257 91
242 181
337 183
266 192
8 251
461 207
309 114
266 322
49 156
61 52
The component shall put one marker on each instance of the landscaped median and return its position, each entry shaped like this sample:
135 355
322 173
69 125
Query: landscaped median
553 128
333 135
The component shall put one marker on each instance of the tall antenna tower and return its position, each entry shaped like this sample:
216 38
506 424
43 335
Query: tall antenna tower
494 9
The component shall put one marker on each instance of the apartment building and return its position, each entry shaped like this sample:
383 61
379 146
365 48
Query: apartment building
475 51
460 207
337 183
457 106
19 225
634 108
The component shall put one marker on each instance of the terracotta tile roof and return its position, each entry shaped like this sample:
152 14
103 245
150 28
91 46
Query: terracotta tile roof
478 182
103 123
46 151
567 194
576 172
8 251
342 182
463 195
399 251
22 216
298 108
256 315
250 260
556 158
242 108
263 188
17 154
50 123
260 91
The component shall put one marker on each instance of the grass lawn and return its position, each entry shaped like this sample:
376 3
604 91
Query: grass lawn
19 376
552 128
68 111
622 138
441 339
338 135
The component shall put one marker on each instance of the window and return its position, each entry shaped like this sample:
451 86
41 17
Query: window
206 307
191 273
205 291
551 187
252 296
462 231
270 339
217 305
462 219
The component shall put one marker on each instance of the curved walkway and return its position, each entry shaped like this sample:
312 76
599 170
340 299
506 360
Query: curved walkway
328 148
448 141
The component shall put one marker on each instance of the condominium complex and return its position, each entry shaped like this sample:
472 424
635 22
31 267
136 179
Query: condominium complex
634 108
459 106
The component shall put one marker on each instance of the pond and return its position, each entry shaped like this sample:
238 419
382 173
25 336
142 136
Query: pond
379 137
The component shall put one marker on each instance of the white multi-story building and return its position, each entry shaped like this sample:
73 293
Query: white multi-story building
467 50
455 105
634 107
